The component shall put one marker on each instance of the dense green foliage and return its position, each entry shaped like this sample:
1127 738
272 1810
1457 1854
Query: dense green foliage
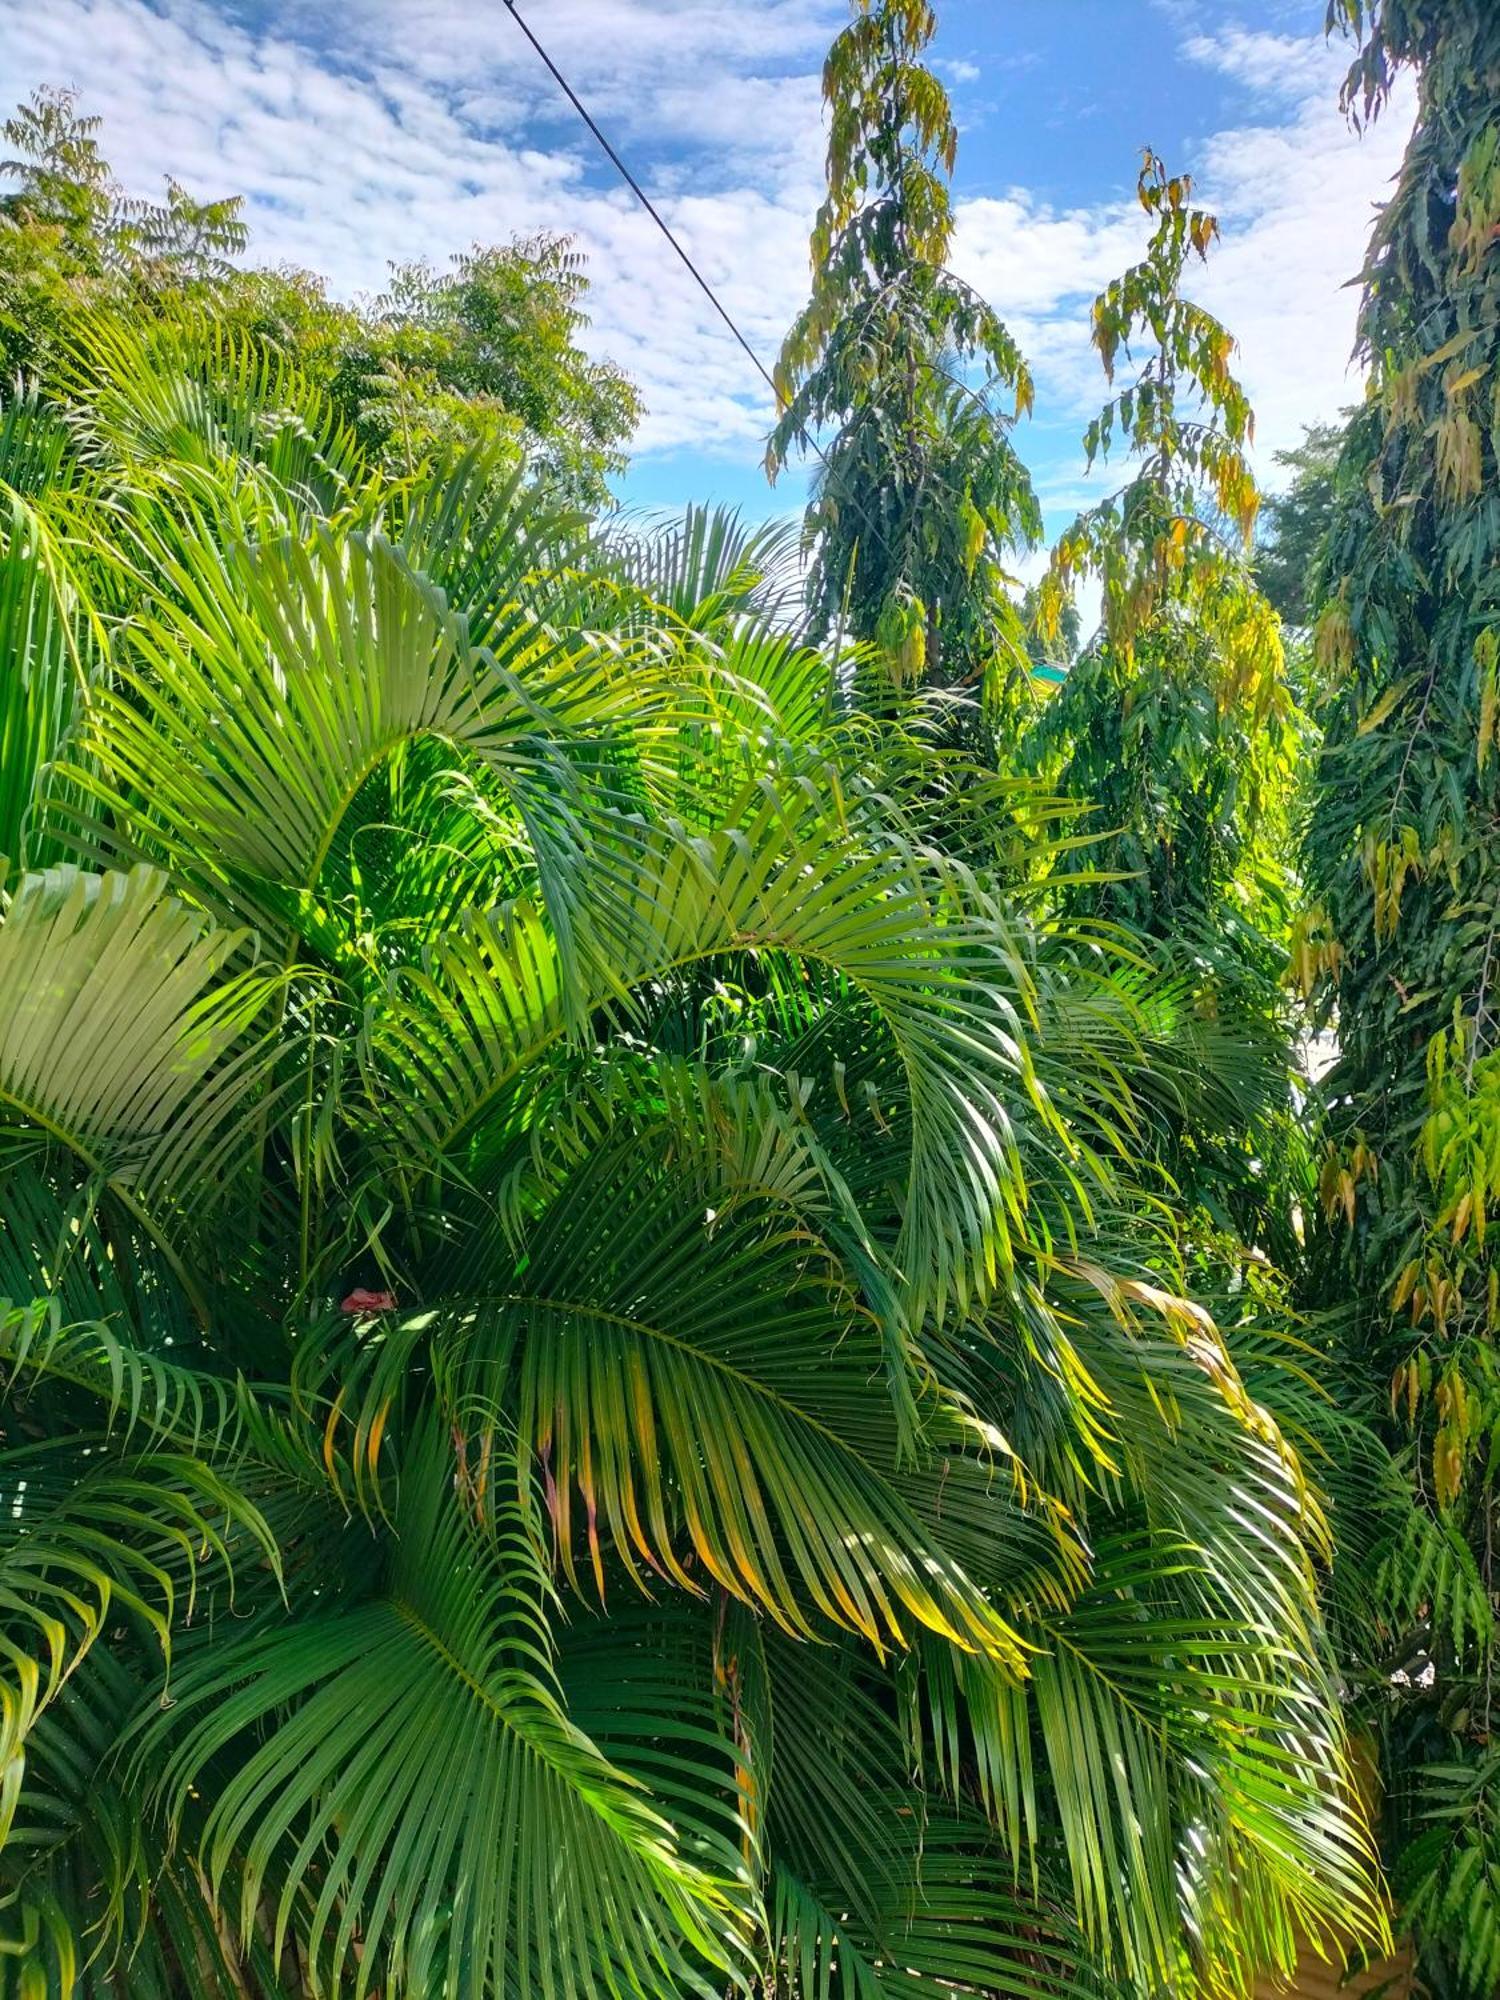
1173 735
1400 945
1293 524
484 353
1170 729
674 1317
70 240
487 352
591 1329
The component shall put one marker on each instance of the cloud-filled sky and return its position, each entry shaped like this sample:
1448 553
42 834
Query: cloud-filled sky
378 130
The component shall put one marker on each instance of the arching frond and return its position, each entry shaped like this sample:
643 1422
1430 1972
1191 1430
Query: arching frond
257 706
124 1535
778 880
369 1723
710 569
955 1917
120 1042
689 1365
193 390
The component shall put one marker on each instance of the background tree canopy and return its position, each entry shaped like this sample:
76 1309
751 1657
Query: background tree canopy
920 492
676 1312
1399 954
485 352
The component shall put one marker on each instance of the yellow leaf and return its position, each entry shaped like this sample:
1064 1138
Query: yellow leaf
1446 352
1447 1467
1486 705
1465 381
1375 716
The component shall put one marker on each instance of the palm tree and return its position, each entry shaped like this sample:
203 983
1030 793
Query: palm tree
597 1397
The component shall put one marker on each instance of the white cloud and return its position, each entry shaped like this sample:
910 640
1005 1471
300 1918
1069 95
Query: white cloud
1291 67
1297 199
1029 257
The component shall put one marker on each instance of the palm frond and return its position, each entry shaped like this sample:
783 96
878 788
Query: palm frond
710 570
123 1044
505 1852
46 643
196 391
125 1534
955 1918
777 881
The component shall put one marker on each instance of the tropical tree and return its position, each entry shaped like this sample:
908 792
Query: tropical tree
1174 732
1292 527
903 381
185 242
70 240
63 181
1399 947
487 352
53 223
598 1394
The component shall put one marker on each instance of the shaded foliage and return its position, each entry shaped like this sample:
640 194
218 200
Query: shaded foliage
1398 948
1292 530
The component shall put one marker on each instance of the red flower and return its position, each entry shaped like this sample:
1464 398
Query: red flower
361 1301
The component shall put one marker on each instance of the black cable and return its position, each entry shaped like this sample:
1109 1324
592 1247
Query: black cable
644 199
806 439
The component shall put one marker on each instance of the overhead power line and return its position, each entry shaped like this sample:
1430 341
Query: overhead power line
643 198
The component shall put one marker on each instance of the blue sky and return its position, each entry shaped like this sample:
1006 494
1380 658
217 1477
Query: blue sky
379 129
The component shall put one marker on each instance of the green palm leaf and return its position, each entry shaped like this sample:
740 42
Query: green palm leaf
127 1533
194 391
683 1149
84 1876
44 645
954 1919
1185 1750
120 1042
407 1762
777 881
257 707
738 1435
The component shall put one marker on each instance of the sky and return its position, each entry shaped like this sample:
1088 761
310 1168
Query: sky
376 130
